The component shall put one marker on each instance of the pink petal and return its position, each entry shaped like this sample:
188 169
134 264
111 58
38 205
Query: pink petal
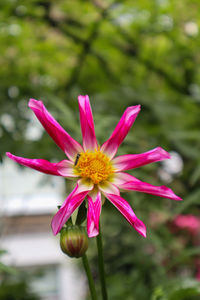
58 134
63 168
127 182
93 214
126 210
73 201
87 124
111 145
131 161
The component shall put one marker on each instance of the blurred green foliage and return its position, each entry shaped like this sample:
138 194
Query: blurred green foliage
4 269
16 291
14 284
120 53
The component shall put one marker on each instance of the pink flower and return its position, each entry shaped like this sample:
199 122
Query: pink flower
188 222
197 263
95 168
198 274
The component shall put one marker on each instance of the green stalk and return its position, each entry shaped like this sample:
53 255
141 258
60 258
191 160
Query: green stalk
90 278
101 265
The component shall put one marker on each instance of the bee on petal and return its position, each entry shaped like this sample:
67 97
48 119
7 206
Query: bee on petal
77 158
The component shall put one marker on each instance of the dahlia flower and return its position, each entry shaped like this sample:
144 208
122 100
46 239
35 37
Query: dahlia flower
97 171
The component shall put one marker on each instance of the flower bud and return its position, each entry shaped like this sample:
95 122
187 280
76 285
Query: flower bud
74 241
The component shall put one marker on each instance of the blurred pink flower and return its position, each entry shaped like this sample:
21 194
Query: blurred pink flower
95 168
197 262
198 275
188 222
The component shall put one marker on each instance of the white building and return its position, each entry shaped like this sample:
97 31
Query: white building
28 200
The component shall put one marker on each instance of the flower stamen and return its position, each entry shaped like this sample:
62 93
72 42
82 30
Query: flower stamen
94 165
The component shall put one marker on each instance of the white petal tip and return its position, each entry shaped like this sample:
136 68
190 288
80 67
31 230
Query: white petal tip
34 103
31 100
93 234
143 232
83 98
137 107
145 235
134 109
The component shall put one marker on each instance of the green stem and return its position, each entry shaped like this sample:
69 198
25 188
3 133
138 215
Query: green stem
101 265
89 276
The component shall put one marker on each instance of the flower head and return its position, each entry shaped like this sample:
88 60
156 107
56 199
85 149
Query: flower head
96 168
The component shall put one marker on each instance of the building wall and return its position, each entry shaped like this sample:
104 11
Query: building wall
28 200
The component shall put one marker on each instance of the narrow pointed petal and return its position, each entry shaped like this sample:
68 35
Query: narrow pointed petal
63 168
57 133
126 210
73 201
111 145
127 182
93 214
62 215
87 124
131 161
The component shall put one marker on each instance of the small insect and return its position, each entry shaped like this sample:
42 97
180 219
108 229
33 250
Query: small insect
77 158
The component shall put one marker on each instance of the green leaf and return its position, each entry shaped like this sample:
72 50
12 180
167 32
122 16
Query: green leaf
7 269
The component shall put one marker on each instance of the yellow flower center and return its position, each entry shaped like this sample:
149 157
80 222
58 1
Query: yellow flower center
94 165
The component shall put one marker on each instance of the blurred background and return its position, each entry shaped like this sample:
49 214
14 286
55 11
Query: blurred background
120 53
